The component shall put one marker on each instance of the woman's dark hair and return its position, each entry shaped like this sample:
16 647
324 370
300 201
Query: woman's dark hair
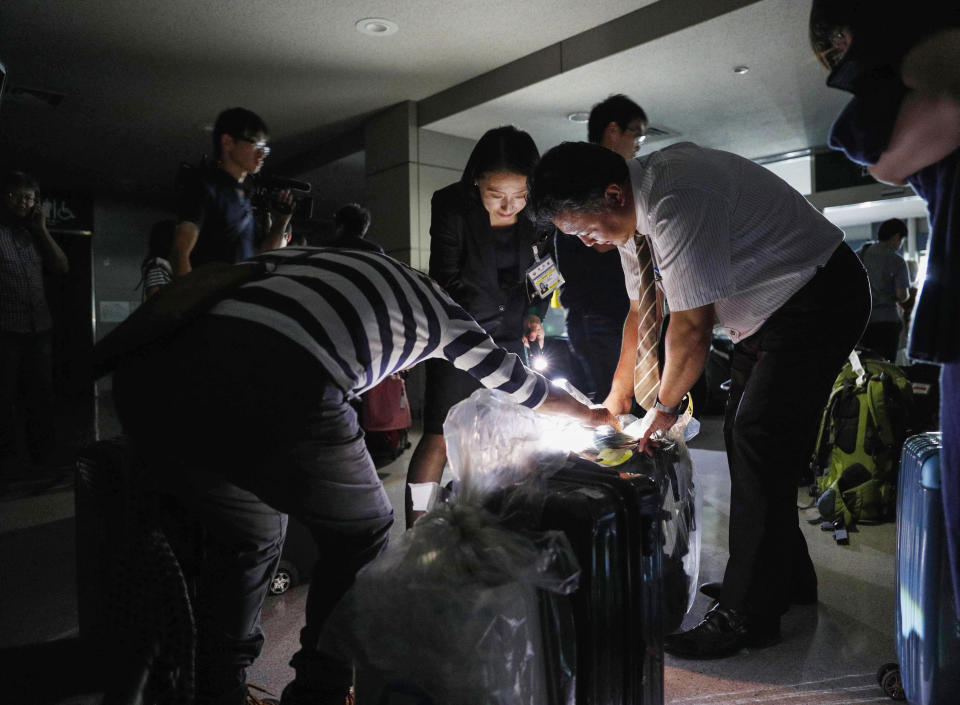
501 149
574 176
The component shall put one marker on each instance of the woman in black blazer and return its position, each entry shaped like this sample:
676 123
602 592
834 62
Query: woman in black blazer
481 245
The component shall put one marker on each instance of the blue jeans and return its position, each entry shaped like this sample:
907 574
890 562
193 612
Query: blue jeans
241 426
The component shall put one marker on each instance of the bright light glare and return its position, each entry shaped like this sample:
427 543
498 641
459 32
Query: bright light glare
568 434
540 363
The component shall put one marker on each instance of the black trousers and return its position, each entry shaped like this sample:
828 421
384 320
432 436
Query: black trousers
241 425
595 340
781 378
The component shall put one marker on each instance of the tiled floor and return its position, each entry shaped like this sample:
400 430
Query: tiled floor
830 652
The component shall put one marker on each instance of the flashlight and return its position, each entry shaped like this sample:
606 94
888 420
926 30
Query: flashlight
538 361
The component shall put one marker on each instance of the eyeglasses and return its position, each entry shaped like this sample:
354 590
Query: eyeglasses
258 145
639 131
22 197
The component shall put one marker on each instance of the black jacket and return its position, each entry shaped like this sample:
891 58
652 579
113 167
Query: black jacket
463 261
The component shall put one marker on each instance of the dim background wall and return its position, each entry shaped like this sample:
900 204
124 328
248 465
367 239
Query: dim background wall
121 232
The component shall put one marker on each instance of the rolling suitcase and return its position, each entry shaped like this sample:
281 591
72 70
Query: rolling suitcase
613 522
385 419
928 631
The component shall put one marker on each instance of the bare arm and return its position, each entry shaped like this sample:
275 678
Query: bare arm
184 240
562 404
928 125
687 347
621 390
53 257
927 130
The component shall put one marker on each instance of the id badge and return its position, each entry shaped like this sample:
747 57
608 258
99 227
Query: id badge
545 277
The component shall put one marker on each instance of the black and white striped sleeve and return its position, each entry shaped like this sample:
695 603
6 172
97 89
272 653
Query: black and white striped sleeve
471 349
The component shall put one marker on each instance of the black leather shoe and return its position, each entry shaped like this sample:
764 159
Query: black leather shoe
723 632
803 594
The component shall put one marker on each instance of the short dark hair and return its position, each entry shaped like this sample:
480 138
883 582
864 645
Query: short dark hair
236 122
18 179
501 149
617 108
574 176
889 229
352 220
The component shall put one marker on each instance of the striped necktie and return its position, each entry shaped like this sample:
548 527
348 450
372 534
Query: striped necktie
646 375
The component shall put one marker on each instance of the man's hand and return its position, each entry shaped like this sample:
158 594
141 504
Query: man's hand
661 423
37 219
533 330
560 403
281 208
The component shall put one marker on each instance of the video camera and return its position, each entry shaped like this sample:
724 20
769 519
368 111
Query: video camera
261 190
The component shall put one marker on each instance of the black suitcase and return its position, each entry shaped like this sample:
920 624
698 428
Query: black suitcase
928 630
134 604
614 522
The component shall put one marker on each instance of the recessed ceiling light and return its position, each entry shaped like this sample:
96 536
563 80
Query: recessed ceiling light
741 70
579 116
376 26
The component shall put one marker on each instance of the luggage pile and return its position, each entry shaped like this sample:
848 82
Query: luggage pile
545 578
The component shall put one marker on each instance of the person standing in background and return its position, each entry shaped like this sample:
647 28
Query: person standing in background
352 222
215 221
26 355
889 286
594 292
155 270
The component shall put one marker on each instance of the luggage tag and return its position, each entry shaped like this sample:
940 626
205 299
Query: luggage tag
544 275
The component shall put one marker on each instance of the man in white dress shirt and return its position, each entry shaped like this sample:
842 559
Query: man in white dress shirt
737 247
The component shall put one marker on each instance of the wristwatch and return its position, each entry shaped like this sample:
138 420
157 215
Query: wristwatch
674 410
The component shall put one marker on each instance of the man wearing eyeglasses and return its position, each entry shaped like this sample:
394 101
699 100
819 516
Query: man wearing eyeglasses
215 217
593 292
26 249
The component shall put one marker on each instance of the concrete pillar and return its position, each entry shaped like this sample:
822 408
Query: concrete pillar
391 140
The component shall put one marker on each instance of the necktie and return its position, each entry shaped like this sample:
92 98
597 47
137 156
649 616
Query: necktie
646 375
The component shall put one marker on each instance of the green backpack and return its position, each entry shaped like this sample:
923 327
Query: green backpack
856 458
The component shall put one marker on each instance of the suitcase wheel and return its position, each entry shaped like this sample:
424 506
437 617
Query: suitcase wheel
889 679
285 578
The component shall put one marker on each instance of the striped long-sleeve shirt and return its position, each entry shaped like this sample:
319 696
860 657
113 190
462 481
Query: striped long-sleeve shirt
364 316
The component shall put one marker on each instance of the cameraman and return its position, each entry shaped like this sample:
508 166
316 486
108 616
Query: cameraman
215 221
